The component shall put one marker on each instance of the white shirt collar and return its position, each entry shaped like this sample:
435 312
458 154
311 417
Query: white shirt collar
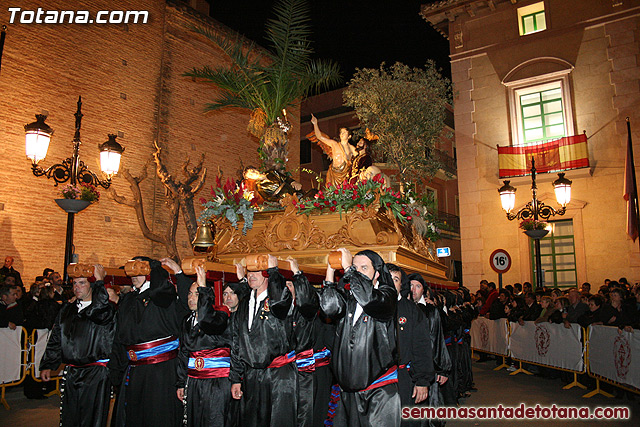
82 305
422 301
146 285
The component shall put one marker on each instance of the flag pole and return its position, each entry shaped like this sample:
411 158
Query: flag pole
634 195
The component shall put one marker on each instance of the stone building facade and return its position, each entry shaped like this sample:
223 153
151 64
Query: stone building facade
131 83
502 49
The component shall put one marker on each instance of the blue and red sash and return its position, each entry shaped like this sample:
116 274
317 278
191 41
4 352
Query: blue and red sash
305 361
323 357
152 352
407 366
213 363
447 341
389 377
281 361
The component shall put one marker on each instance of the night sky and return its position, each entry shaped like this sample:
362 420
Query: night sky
354 33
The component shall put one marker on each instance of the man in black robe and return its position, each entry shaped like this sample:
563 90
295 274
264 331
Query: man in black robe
263 369
424 297
81 338
415 354
144 361
203 360
304 312
364 352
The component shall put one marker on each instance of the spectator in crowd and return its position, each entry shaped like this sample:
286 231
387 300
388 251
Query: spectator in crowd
527 287
7 270
621 314
497 310
555 294
510 289
547 309
530 310
46 273
561 306
484 291
576 308
594 316
491 296
59 293
586 287
11 314
42 313
517 287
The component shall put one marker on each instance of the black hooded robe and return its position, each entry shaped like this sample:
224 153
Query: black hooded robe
83 341
203 363
147 395
269 393
364 354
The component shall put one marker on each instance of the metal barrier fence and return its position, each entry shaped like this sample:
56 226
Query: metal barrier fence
19 357
605 353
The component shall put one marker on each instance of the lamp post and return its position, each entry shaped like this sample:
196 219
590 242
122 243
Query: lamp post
72 169
536 209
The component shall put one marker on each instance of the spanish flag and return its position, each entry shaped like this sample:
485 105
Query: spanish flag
565 153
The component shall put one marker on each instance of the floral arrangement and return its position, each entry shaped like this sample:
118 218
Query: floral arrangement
532 224
232 200
84 191
345 197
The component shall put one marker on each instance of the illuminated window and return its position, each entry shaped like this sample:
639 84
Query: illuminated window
540 108
531 19
541 114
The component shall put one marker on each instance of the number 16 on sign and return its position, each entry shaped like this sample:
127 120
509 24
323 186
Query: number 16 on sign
500 261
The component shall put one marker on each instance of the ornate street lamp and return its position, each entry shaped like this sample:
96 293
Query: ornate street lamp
37 137
536 209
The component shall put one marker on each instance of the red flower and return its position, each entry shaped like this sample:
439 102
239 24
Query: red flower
355 196
302 206
403 212
336 192
326 202
388 204
335 202
203 200
332 208
316 204
409 218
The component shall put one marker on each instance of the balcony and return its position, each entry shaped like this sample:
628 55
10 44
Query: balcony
450 224
557 155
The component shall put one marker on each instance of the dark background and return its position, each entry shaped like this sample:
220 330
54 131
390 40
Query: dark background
354 33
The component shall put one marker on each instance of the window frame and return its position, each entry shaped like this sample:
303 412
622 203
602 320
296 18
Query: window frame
538 84
532 9
551 238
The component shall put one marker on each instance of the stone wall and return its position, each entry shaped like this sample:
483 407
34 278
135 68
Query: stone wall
130 79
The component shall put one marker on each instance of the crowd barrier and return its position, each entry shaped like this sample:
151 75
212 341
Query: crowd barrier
614 357
491 336
20 356
603 352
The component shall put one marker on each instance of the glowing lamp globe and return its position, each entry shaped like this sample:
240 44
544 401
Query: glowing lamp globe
37 138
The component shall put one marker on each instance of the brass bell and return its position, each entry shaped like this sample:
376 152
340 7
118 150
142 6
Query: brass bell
204 237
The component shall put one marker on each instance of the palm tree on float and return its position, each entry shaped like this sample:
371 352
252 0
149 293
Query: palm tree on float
267 86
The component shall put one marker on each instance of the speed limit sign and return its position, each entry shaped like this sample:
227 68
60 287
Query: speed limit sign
500 261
